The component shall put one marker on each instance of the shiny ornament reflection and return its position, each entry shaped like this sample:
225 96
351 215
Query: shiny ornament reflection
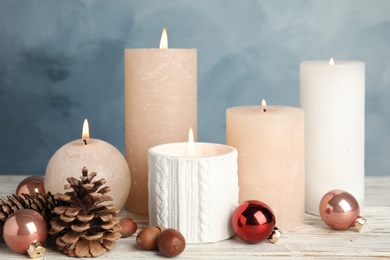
31 185
253 221
25 231
340 210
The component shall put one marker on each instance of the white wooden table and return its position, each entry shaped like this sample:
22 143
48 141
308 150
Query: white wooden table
312 239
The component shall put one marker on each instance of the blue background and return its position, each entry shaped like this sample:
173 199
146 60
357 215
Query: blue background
62 61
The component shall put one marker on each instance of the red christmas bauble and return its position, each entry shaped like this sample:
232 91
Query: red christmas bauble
340 210
24 231
31 185
253 221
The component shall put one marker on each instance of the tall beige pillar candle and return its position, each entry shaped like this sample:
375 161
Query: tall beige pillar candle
160 107
271 167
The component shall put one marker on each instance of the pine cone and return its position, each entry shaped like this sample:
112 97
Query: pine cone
84 227
42 203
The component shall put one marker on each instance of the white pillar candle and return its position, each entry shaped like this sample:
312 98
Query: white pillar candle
160 107
195 194
97 156
270 145
332 95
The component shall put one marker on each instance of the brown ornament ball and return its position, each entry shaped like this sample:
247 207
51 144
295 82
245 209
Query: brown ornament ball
128 227
25 231
340 210
147 237
171 242
31 185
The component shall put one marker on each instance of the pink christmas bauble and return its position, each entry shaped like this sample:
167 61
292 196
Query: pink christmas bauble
24 230
31 185
340 210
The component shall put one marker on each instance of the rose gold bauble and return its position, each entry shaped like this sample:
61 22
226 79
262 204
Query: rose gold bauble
24 232
340 210
31 185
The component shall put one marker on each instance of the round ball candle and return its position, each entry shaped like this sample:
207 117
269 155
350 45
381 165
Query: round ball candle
160 107
271 167
193 190
97 156
332 95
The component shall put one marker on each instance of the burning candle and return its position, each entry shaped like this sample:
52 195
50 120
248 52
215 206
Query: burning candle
160 107
97 156
332 95
270 145
193 187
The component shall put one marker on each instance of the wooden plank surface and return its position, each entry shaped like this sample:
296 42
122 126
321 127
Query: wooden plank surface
312 239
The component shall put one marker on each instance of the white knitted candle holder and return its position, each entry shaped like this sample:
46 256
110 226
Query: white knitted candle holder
194 194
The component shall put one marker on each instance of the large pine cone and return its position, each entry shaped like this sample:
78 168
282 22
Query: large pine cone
85 228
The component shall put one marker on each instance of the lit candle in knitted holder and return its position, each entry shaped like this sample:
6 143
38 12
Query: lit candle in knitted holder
193 190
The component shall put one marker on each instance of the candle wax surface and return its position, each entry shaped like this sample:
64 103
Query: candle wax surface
337 63
270 111
181 150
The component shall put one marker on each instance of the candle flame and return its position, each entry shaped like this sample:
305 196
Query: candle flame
164 39
85 134
191 145
331 61
263 105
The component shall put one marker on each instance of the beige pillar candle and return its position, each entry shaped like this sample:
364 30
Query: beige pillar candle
270 145
160 107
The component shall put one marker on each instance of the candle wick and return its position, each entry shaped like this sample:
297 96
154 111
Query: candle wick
85 141
84 171
264 110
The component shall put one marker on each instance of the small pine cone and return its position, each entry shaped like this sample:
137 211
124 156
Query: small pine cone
42 203
85 227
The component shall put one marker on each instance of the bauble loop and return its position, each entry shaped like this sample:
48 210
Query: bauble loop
340 210
253 221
